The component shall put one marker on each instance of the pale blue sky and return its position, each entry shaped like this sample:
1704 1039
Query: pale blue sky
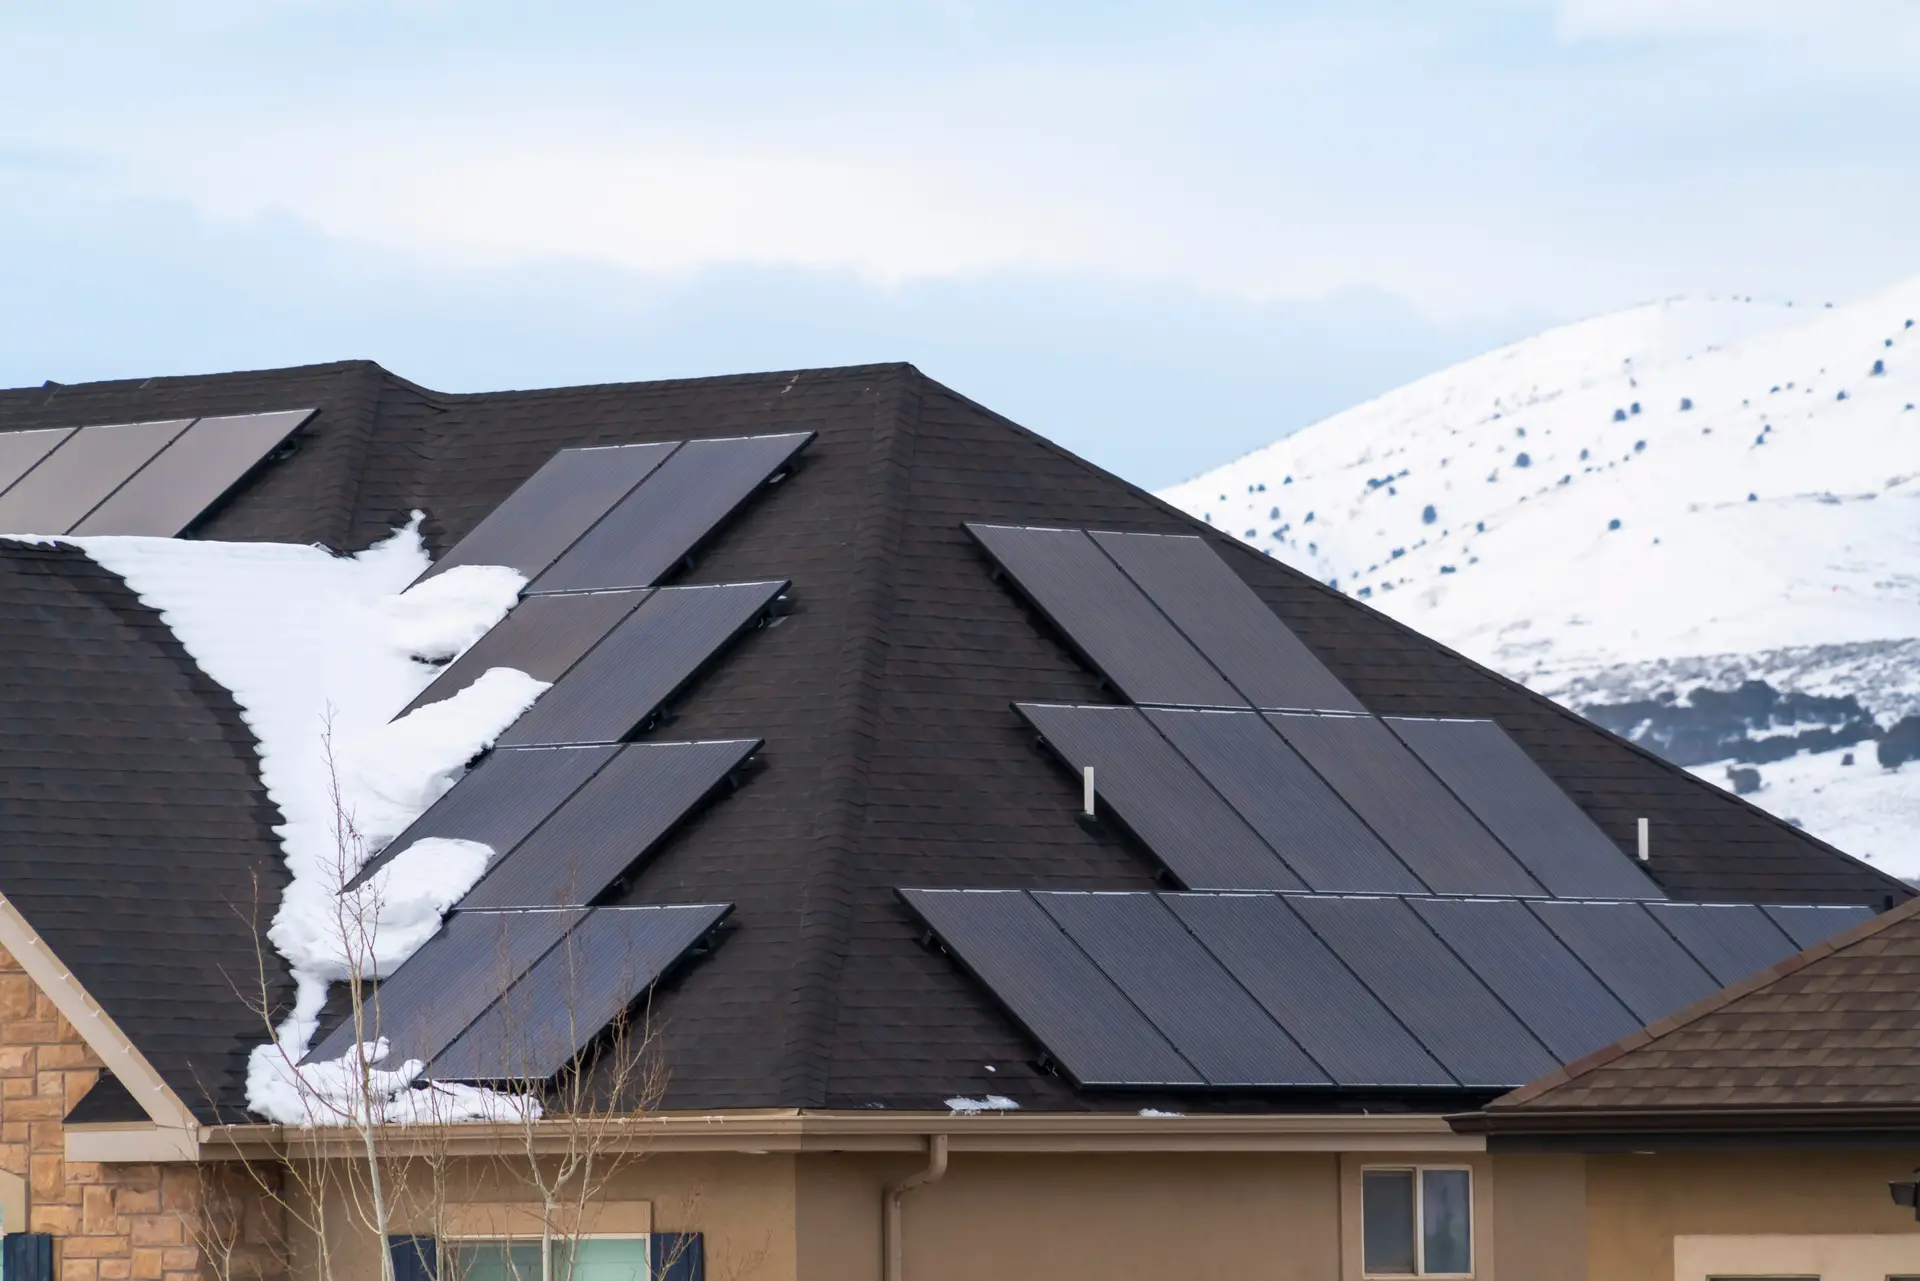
1161 233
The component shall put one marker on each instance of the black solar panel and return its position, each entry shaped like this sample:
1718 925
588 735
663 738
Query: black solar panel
1630 953
76 477
1732 940
1218 612
501 800
1105 616
1551 836
192 474
1807 925
612 692
1182 989
1308 990
1401 800
615 819
554 507
662 522
21 452
1160 798
1461 1022
543 636
579 989
442 988
1311 828
1050 987
1532 972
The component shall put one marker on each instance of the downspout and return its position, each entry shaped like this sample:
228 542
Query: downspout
891 1252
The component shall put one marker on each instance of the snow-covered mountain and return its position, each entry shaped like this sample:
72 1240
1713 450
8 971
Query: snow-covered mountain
1697 521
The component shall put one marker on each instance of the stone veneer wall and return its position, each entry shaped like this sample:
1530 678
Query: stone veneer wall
114 1222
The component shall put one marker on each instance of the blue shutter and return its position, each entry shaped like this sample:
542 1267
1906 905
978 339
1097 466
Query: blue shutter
27 1256
414 1258
679 1256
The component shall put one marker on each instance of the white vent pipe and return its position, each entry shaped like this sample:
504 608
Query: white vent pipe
1645 840
1086 791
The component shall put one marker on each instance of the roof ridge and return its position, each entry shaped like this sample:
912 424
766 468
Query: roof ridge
1700 1009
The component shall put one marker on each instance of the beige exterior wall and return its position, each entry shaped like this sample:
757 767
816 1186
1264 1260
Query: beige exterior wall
1638 1206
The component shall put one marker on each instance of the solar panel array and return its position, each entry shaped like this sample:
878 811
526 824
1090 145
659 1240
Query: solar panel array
1235 991
150 478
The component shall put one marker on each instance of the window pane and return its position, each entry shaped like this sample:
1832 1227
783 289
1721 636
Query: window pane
601 1259
1446 1208
495 1261
1386 1210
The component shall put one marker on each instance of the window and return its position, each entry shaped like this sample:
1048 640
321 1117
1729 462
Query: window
582 1259
1417 1221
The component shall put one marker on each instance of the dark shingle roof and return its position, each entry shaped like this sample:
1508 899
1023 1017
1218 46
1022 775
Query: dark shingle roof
893 756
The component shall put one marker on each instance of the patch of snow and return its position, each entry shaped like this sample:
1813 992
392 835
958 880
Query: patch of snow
1870 812
320 651
973 1107
344 1092
1158 1112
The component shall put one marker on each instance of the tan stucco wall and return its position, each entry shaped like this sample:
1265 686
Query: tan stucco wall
1638 1204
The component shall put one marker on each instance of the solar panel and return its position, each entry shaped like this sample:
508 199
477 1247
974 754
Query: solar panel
554 507
543 636
1808 925
575 992
1629 952
1312 829
1551 836
1105 616
1050 987
1532 972
193 473
1182 989
614 819
1456 1017
21 451
501 800
1308 990
1732 940
659 648
73 479
1180 819
442 988
650 531
1218 612
1401 800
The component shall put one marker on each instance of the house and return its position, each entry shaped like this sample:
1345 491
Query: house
912 851
1756 1133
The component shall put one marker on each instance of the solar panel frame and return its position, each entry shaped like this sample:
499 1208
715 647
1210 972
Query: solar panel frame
1806 924
1105 617
1532 972
500 801
439 991
1309 991
655 652
553 509
543 636
576 992
1050 988
1198 1006
192 473
1259 655
87 467
1630 952
1453 1012
1405 804
1314 832
1159 797
1732 940
669 515
22 451
614 820
1563 849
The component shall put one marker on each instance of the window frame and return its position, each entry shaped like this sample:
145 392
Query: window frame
1418 1170
450 1243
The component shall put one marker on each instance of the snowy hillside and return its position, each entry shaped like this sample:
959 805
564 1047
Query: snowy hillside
1642 515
